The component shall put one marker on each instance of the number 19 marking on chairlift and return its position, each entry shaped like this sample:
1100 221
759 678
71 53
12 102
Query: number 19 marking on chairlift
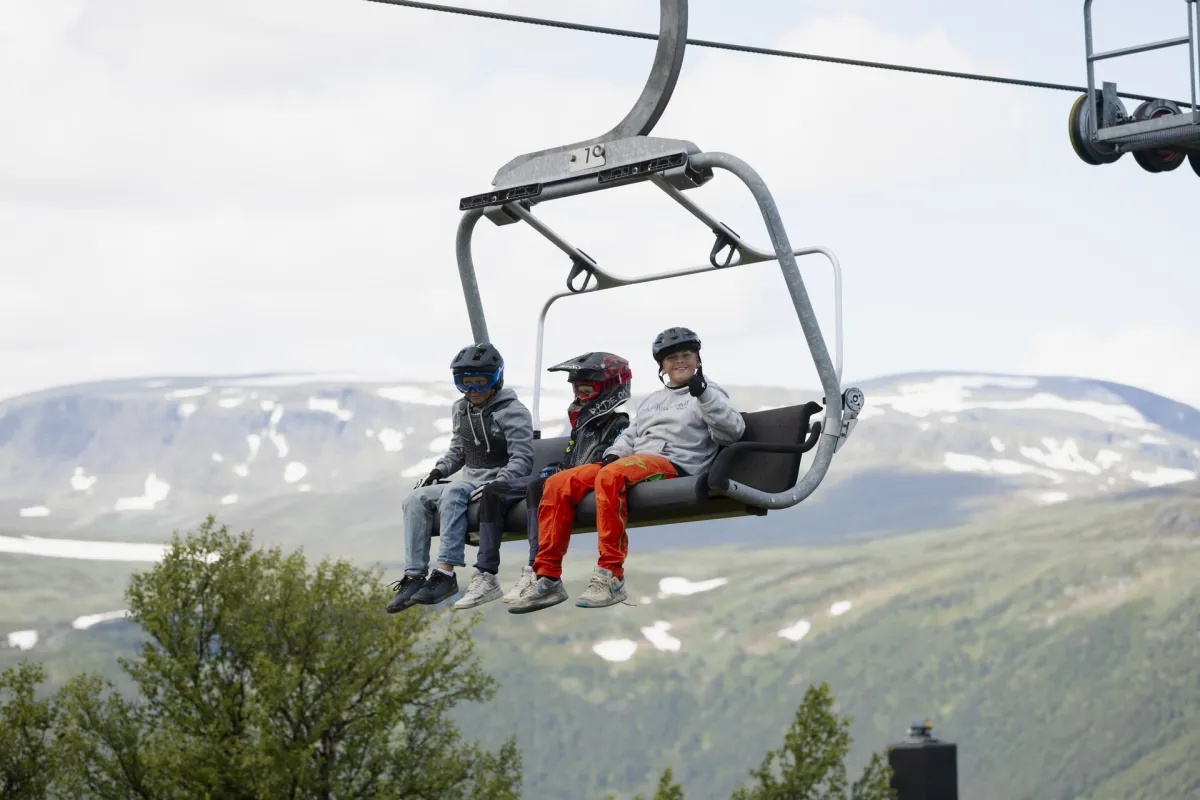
586 158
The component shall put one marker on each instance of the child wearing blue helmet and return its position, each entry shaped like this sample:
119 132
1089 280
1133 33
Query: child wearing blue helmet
491 440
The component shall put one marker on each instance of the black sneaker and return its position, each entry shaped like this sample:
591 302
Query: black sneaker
405 588
439 587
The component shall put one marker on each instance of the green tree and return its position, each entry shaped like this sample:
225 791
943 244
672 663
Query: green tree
667 789
811 763
261 677
28 757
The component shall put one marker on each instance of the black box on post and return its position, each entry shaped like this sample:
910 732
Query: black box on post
924 768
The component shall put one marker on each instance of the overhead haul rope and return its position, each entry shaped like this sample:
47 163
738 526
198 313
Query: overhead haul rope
745 48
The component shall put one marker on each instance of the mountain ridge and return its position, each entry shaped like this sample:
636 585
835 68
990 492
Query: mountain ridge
131 458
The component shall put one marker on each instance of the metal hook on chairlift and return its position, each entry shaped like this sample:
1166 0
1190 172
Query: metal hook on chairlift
726 237
578 265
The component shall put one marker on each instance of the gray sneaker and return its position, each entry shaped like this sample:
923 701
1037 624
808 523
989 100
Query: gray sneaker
484 588
527 581
543 594
603 590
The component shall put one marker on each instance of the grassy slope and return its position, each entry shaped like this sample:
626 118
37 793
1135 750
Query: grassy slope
1059 649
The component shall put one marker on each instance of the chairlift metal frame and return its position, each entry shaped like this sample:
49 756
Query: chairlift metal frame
1158 133
627 155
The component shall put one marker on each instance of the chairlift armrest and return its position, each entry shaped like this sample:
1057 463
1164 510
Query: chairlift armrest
718 475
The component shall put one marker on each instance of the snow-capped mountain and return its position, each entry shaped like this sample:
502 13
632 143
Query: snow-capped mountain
138 457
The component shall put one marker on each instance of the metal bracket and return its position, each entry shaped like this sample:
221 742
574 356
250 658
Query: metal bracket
852 404
726 237
650 105
581 264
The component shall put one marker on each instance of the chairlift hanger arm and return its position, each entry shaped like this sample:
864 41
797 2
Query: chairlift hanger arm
656 94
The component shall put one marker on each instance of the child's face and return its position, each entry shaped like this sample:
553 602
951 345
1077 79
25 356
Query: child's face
680 367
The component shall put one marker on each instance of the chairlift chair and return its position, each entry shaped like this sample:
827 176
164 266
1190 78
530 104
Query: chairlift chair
756 474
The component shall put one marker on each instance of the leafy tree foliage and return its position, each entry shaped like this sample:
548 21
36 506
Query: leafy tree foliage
261 677
28 757
811 763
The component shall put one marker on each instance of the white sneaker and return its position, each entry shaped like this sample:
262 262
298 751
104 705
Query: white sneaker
526 582
484 588
603 590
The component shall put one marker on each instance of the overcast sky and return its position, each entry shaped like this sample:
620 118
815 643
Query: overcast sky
271 185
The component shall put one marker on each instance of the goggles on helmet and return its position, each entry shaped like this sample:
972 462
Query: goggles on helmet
477 381
585 390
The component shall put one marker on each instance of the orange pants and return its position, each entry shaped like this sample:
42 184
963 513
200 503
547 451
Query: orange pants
563 491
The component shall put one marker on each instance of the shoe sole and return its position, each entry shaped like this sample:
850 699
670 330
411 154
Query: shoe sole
537 606
433 601
616 599
495 594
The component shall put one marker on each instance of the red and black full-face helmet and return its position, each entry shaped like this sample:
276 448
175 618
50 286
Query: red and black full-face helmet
602 382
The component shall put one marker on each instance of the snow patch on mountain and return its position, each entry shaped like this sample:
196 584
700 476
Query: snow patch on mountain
22 640
615 649
154 492
965 462
417 396
91 620
1163 476
952 394
83 550
330 406
391 439
657 635
796 632
196 391
683 586
1063 456
81 481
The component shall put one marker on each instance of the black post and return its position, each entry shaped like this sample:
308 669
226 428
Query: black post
924 768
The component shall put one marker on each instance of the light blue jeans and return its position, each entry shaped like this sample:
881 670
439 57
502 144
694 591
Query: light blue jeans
450 501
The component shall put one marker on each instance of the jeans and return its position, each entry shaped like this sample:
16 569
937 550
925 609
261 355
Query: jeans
498 497
450 501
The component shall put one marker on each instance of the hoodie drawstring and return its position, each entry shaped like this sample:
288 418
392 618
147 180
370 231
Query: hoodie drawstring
487 442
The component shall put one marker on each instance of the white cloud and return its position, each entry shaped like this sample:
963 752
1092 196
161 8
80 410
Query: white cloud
1158 358
287 172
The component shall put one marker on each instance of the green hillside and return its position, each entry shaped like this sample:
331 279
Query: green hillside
1059 648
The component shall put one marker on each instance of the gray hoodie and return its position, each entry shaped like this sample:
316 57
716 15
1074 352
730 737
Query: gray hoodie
685 430
490 442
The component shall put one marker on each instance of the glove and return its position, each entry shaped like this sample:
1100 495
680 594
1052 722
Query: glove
433 477
608 459
697 384
548 470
